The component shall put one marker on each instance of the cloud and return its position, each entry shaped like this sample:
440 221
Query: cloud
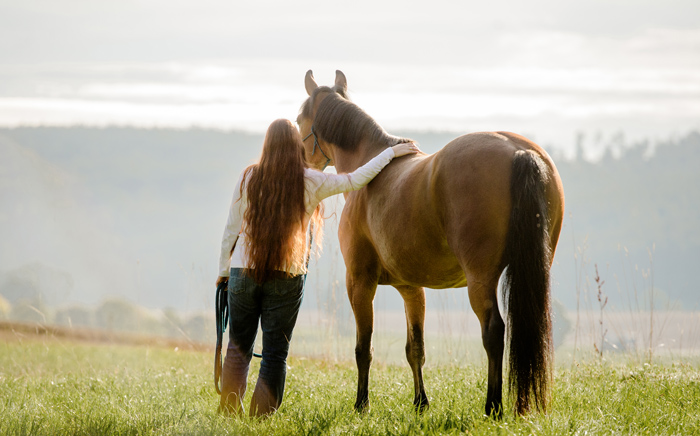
435 65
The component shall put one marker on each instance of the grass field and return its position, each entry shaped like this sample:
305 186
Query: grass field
52 386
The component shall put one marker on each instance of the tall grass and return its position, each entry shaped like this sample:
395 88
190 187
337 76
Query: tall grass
55 387
602 302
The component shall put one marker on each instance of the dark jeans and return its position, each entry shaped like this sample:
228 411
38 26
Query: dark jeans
275 304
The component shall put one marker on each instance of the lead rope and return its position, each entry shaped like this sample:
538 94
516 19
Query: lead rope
221 305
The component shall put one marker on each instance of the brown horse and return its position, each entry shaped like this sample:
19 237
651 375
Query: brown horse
455 218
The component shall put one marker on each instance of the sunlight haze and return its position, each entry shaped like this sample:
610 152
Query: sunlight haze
547 69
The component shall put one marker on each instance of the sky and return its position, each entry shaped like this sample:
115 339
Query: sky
547 69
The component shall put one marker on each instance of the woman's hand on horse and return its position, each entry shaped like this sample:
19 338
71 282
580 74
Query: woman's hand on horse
221 280
405 148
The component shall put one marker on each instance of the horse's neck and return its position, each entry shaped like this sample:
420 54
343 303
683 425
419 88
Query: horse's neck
348 161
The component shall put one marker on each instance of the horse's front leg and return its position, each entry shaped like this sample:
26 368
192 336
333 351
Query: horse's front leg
414 303
361 291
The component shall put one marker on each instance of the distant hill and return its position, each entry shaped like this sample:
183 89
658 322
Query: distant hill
139 213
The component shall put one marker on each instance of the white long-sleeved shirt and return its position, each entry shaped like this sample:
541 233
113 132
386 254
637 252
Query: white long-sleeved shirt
318 186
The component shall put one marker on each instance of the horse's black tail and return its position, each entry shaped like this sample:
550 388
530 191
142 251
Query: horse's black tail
526 286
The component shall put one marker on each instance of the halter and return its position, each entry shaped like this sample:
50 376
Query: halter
316 144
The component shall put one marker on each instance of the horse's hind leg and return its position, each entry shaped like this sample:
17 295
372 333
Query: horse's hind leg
414 302
361 293
483 299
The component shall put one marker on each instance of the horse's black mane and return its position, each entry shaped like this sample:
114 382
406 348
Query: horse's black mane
341 122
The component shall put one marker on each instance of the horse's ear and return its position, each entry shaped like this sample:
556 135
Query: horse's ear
341 83
309 82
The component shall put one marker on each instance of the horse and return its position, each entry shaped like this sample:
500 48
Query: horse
485 203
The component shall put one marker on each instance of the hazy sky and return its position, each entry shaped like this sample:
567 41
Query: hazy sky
543 68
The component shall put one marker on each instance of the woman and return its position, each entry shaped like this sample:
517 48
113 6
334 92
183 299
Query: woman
264 248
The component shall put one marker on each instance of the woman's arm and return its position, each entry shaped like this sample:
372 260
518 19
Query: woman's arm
232 229
338 183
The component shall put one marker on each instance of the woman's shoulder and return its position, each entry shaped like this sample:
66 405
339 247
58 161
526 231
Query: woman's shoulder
312 175
243 179
317 181
245 175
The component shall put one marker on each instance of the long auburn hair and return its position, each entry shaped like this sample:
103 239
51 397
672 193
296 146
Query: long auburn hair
275 237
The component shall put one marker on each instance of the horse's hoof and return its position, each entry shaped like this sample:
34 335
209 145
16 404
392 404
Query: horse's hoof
362 406
494 411
421 404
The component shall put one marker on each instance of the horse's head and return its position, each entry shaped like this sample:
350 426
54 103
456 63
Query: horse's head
318 152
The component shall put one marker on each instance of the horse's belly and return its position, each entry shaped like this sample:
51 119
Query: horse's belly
423 266
407 234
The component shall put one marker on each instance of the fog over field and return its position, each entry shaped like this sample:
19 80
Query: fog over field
138 214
